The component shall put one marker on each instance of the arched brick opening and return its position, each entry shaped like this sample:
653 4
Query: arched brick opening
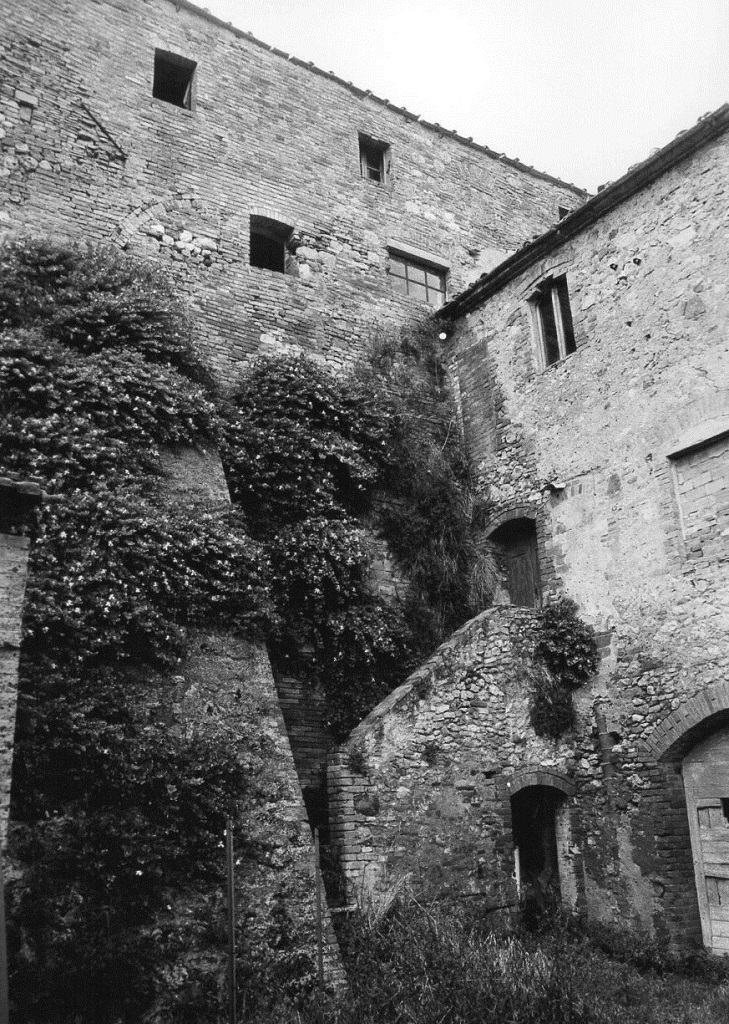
513 535
540 777
690 723
506 515
544 830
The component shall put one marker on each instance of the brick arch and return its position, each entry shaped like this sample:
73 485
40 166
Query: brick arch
272 213
517 511
540 777
707 414
692 721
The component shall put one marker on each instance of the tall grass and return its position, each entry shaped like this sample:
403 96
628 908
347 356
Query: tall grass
419 965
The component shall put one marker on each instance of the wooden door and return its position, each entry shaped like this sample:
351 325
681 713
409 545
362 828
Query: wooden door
516 545
522 572
706 780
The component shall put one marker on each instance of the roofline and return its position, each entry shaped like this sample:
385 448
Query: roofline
708 128
202 12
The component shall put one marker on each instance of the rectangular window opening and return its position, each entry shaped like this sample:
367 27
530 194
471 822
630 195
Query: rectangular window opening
413 277
551 304
173 77
374 159
269 244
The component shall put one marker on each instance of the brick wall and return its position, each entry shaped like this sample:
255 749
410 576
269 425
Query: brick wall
620 450
86 151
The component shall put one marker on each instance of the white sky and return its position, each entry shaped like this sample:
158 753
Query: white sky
579 88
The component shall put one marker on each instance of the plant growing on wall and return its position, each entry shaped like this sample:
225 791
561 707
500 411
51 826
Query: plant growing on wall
311 458
119 812
566 655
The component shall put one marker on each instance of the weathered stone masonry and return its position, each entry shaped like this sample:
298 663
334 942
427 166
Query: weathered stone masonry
619 450
616 453
87 152
421 791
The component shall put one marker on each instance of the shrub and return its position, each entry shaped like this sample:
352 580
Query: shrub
566 653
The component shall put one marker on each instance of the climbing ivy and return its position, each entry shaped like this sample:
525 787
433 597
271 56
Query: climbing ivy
117 811
311 457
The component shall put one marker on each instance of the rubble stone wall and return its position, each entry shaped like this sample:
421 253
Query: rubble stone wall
87 152
420 793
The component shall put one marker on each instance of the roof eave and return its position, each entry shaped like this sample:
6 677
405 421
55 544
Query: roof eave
636 179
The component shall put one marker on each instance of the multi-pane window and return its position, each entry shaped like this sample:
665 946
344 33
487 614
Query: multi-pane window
374 159
554 320
421 281
173 77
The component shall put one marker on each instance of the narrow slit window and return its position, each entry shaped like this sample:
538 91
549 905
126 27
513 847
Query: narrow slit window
173 76
554 320
374 159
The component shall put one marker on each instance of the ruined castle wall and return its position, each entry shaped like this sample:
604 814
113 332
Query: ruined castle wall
420 793
86 151
620 452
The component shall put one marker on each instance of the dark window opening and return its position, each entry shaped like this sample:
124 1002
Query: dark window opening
173 79
269 244
374 159
534 826
554 320
562 211
725 808
411 277
516 548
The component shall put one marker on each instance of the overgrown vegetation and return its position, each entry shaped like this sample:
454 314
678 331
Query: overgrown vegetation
566 656
443 963
121 810
311 459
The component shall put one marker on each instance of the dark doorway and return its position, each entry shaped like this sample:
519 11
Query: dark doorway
534 826
516 545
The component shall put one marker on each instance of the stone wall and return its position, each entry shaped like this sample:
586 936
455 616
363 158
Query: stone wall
420 793
17 501
226 685
87 152
619 453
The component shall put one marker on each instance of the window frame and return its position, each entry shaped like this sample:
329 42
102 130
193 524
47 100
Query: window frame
410 260
373 151
554 291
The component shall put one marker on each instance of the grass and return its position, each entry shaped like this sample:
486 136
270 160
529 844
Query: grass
419 965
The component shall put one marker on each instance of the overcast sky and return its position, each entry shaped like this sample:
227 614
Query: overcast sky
579 88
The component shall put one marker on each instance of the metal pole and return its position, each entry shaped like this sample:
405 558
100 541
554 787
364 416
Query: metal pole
319 937
232 1008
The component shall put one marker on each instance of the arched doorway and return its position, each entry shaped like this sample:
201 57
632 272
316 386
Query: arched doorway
516 546
706 782
536 820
